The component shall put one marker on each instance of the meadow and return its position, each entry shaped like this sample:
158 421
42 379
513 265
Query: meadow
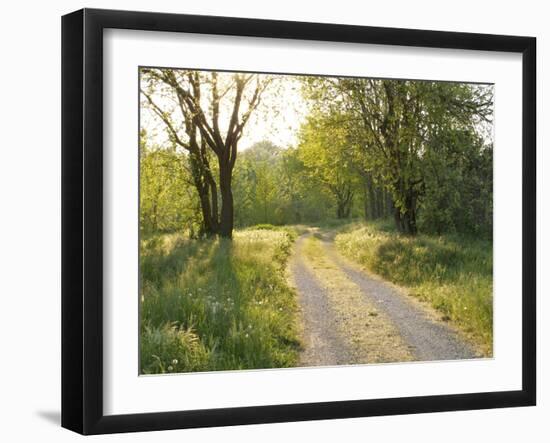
217 304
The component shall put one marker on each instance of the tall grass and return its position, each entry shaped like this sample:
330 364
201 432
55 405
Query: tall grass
453 273
217 304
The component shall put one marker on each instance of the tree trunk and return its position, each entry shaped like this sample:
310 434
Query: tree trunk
342 209
347 211
226 216
344 199
371 198
398 220
379 203
408 215
410 222
214 203
389 207
405 214
207 227
366 204
203 180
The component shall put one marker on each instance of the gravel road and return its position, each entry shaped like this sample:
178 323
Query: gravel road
427 338
323 345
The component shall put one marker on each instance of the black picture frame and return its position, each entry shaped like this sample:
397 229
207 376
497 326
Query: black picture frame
82 218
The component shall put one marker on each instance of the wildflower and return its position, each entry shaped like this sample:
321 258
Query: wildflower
175 361
170 368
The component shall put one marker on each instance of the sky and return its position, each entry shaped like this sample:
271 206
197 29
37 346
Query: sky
277 119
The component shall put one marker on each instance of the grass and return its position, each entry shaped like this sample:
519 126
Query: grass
453 273
217 304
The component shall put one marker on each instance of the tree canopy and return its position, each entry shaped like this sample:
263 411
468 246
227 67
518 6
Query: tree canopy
418 151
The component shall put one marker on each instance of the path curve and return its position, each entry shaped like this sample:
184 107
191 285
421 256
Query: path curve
428 338
324 342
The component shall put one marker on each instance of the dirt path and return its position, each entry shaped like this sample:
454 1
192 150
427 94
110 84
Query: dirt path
323 344
351 317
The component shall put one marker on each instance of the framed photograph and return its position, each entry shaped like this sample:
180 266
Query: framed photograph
269 221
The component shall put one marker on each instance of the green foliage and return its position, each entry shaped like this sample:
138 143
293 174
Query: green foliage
167 200
421 150
454 272
326 148
258 198
272 185
422 141
458 185
217 304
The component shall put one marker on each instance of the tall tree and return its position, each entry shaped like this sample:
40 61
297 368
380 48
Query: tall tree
403 120
400 122
325 148
205 113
